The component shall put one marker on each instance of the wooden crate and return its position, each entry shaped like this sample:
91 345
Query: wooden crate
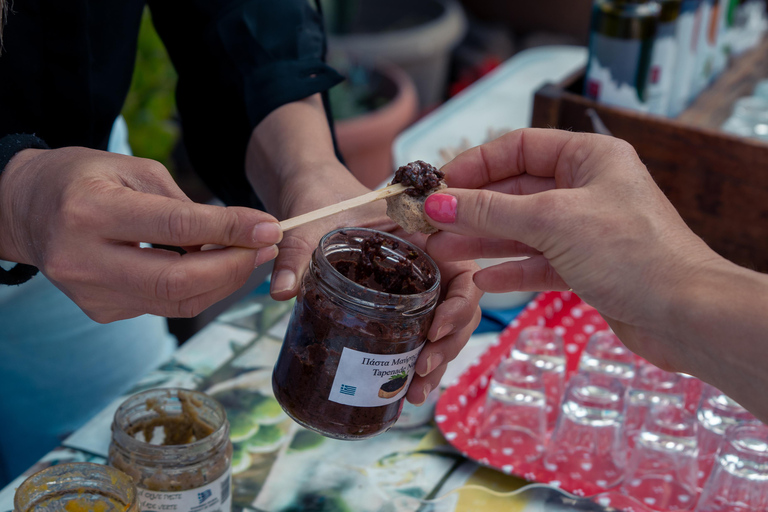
718 182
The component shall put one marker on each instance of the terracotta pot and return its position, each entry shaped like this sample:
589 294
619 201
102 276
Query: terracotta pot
366 141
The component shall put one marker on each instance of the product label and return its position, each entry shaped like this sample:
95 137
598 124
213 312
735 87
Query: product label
372 380
214 497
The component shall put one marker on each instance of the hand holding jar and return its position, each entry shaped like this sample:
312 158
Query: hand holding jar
358 326
457 313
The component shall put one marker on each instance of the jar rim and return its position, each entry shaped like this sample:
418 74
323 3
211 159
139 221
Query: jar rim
50 475
423 296
193 450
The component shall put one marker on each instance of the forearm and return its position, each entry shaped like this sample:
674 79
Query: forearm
290 153
719 326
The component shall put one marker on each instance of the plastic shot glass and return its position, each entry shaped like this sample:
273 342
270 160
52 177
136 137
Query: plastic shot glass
716 412
663 466
651 386
605 353
514 419
587 444
739 480
544 348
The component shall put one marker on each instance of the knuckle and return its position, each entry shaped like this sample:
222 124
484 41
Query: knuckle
486 201
171 284
76 214
189 308
155 168
231 226
181 224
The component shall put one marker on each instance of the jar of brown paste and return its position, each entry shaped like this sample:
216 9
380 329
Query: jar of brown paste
77 487
175 444
358 325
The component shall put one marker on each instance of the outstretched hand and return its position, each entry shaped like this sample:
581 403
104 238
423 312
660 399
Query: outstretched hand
587 213
80 215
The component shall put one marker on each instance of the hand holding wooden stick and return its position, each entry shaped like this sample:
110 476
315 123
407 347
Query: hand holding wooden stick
329 210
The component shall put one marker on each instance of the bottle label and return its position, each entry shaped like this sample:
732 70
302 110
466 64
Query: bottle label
213 497
372 380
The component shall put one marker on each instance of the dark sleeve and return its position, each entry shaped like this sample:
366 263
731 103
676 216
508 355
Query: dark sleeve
237 61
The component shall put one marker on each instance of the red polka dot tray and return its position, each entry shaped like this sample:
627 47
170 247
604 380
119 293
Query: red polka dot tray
457 409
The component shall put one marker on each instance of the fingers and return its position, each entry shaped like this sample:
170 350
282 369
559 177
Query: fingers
142 217
421 387
483 213
293 260
434 359
153 274
532 274
521 185
461 298
446 246
538 152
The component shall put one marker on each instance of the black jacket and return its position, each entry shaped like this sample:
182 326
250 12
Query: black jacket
67 64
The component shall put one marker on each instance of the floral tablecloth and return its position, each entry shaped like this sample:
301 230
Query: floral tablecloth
281 467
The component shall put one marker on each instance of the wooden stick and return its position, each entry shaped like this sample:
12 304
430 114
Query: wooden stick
300 220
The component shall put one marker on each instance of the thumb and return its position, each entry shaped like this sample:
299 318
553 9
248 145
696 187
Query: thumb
486 214
291 263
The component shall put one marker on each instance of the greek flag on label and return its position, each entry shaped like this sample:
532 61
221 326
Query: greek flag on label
372 380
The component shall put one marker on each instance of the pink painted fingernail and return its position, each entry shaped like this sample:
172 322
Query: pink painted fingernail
441 207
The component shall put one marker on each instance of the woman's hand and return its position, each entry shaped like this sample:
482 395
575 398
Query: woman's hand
79 216
589 216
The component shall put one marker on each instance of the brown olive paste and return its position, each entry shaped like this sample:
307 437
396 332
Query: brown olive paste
420 177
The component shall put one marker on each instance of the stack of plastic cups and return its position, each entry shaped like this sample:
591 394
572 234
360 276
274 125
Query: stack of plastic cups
544 348
651 386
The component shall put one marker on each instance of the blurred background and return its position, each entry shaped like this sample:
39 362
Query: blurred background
402 59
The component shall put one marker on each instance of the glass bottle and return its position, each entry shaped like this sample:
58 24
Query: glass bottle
620 50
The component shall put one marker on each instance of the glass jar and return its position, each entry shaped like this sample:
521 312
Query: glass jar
77 487
175 444
357 328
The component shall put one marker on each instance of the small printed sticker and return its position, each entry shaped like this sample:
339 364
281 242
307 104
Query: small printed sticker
372 380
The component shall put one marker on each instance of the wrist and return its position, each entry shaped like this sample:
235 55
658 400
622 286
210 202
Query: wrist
16 151
14 180
712 322
317 185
